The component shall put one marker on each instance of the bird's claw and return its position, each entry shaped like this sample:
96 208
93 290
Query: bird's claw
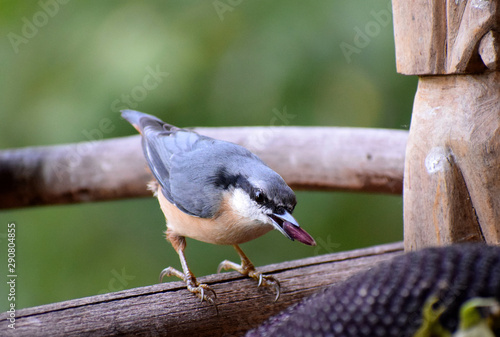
227 265
267 281
169 271
201 290
248 269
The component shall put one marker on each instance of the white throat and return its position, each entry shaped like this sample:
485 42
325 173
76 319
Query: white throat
245 207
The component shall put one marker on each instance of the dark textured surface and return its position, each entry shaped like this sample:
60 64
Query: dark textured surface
388 300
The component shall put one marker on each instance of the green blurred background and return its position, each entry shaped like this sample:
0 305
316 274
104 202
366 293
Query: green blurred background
66 67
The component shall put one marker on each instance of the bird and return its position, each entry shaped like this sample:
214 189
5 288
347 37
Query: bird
216 192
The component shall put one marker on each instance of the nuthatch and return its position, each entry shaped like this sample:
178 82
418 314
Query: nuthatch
216 192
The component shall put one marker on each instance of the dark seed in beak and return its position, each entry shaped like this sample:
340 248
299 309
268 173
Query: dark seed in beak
297 233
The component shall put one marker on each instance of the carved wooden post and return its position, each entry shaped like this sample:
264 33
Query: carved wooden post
452 168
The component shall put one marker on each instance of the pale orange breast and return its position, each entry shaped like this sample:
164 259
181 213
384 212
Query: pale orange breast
225 228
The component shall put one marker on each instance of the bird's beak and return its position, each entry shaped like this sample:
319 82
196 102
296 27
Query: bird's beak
289 227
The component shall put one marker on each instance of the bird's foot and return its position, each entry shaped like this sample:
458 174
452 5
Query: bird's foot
248 269
203 291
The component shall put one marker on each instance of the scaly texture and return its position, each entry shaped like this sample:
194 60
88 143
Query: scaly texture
388 300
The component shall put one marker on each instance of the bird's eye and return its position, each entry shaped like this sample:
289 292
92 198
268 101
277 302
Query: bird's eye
259 197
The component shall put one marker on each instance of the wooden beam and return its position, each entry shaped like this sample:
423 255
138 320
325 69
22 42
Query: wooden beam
352 159
169 309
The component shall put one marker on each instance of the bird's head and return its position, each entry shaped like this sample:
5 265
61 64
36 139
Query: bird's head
264 197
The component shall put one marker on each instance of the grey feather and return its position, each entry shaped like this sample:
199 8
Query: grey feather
193 170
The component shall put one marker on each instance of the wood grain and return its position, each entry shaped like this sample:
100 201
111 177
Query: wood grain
442 37
352 159
489 50
168 309
452 185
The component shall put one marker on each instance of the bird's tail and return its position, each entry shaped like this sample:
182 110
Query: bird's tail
140 121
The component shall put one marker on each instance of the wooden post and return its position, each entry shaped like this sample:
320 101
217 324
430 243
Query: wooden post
452 166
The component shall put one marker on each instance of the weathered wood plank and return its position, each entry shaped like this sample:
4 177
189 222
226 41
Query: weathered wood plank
169 309
353 159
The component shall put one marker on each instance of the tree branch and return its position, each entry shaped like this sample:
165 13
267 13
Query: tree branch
352 159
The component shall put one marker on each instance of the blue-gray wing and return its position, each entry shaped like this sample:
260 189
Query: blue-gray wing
161 148
189 167
198 177
160 143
